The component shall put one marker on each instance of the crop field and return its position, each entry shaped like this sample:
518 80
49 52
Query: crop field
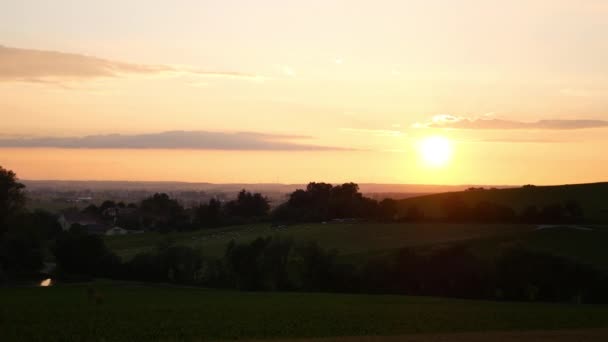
132 311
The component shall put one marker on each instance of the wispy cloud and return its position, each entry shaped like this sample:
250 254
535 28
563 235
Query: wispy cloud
38 66
525 140
375 132
458 122
203 140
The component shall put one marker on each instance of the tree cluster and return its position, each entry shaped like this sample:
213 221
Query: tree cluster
323 202
162 213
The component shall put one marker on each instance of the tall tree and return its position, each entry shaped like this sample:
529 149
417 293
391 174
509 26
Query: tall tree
12 197
208 214
163 213
248 205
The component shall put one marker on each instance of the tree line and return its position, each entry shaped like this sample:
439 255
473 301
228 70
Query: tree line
318 202
276 264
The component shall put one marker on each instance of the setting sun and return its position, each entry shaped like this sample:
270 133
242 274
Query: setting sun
436 151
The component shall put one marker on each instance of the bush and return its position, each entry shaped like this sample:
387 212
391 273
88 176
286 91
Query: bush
78 253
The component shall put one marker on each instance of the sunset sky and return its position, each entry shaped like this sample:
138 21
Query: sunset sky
297 91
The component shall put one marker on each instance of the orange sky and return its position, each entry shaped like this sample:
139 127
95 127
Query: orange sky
333 91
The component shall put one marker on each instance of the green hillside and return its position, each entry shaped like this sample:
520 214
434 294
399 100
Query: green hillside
592 197
348 239
362 240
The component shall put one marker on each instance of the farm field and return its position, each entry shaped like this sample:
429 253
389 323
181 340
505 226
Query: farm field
578 335
346 238
132 311
364 239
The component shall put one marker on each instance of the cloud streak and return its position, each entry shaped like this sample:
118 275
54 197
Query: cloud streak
200 140
38 66
375 132
456 122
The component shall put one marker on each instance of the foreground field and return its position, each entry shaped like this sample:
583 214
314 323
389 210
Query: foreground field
152 313
579 335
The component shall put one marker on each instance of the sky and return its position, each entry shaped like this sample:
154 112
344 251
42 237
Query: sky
297 91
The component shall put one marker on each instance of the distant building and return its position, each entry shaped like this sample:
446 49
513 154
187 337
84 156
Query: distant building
71 217
90 223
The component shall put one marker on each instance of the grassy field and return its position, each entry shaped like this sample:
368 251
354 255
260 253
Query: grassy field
132 312
358 241
592 198
360 238
578 335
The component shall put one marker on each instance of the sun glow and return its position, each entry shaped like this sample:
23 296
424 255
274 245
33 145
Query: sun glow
46 282
436 151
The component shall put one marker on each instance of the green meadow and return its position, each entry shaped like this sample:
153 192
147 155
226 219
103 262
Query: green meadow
361 240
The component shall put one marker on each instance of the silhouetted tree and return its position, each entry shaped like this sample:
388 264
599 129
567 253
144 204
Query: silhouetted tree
20 252
532 276
322 201
344 201
387 209
248 205
209 214
107 205
163 213
12 197
39 223
77 252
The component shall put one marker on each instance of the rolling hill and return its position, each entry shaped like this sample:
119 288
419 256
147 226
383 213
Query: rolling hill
592 197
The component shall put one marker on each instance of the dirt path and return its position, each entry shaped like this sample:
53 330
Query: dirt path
584 335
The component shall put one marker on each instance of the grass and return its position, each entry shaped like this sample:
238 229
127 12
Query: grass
359 241
349 239
591 197
132 311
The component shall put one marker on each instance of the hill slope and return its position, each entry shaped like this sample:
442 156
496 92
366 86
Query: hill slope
592 197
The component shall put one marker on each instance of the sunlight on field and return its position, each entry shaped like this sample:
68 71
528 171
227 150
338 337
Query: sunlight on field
46 282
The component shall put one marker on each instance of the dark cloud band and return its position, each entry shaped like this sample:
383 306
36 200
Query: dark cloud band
38 66
240 141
